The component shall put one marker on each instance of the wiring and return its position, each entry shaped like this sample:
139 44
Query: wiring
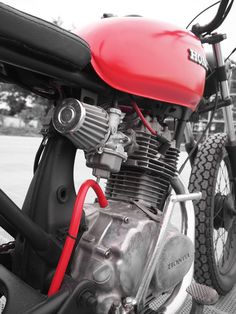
39 153
233 51
212 5
142 118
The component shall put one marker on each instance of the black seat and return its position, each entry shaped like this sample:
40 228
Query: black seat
34 53
24 36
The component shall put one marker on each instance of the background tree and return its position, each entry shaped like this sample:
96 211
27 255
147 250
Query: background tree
36 112
22 102
14 96
18 99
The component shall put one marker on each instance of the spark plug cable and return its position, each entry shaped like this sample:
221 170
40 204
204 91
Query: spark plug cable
73 232
142 118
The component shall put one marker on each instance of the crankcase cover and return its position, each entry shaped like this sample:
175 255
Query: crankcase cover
176 258
114 251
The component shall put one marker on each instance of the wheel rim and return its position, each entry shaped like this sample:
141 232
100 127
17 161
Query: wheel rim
224 243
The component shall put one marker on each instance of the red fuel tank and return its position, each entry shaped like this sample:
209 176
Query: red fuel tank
148 58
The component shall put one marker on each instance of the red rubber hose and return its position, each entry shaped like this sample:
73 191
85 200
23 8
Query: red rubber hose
73 232
145 123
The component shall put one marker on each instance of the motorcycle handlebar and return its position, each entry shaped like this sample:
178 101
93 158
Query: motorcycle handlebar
216 22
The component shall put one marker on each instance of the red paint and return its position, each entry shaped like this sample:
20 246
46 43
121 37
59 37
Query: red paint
147 58
73 232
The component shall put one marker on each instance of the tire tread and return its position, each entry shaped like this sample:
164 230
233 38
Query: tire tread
202 179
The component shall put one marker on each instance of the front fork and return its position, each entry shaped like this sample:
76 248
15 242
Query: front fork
225 94
227 111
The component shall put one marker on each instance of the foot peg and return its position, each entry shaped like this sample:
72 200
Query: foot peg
201 295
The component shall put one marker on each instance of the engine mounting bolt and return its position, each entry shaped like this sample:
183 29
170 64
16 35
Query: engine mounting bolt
88 299
129 304
128 300
126 220
116 307
107 253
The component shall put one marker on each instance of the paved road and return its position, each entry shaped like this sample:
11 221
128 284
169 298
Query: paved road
16 166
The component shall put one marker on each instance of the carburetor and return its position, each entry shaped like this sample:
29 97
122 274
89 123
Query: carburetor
96 132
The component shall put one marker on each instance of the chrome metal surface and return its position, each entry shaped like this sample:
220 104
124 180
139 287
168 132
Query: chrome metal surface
146 174
85 125
188 132
129 243
229 122
112 152
66 115
95 131
114 252
179 294
225 305
224 86
176 301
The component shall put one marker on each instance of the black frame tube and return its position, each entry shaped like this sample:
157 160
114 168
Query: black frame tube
41 241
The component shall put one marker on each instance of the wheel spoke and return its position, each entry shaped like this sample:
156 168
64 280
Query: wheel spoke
221 237
216 241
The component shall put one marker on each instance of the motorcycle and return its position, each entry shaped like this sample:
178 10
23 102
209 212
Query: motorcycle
125 91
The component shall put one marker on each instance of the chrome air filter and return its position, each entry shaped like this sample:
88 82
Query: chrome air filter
85 125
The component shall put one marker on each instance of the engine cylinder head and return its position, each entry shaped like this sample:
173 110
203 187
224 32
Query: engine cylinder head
146 175
85 125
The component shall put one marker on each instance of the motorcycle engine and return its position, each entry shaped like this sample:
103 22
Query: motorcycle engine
114 251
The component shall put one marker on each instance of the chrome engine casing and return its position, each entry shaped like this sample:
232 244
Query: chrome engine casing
114 252
122 241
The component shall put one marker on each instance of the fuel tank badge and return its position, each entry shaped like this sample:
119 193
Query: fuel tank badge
197 58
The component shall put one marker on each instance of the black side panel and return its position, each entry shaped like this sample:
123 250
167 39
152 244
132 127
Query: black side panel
49 203
46 246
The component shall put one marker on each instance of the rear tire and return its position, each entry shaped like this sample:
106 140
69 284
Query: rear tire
215 252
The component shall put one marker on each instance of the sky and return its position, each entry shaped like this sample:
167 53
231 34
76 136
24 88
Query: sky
78 14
